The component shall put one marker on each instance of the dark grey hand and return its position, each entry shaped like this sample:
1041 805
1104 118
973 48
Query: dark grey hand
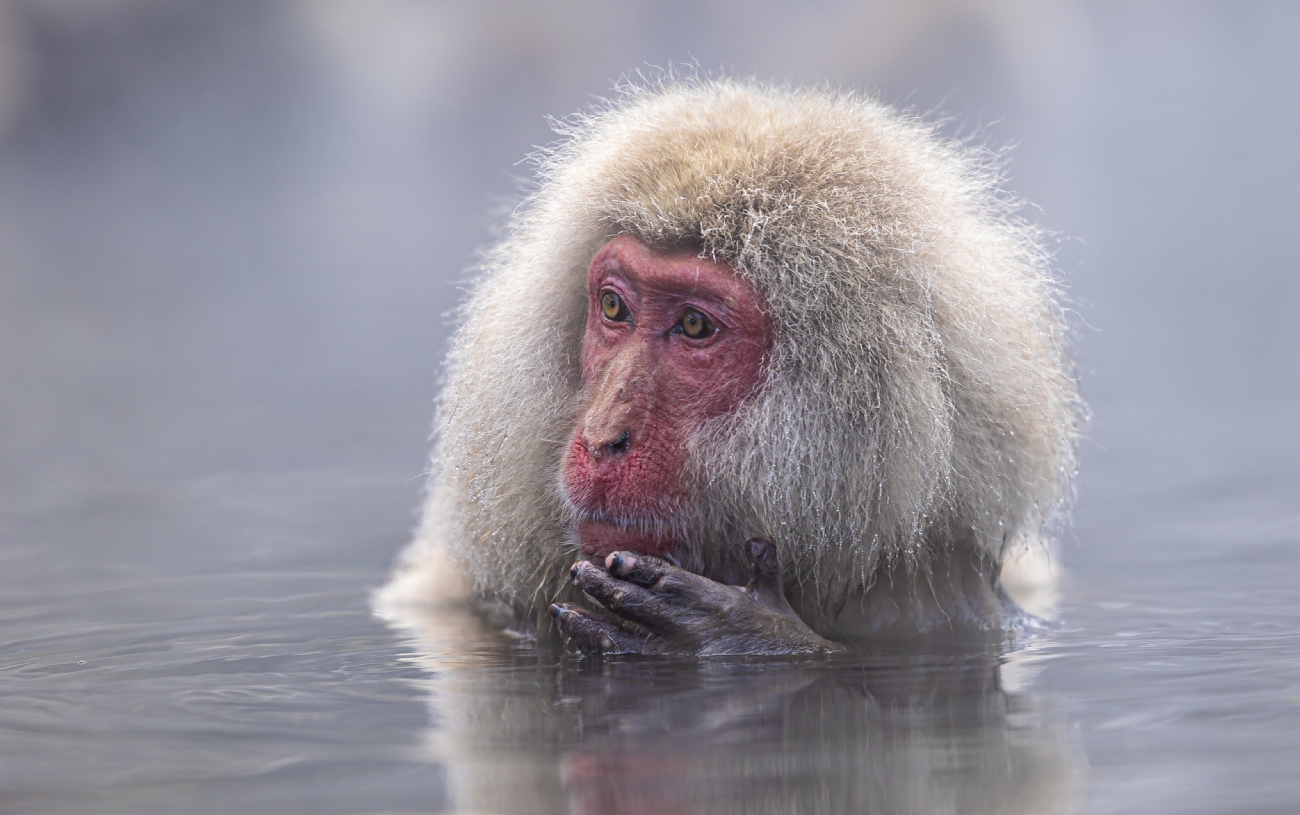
667 610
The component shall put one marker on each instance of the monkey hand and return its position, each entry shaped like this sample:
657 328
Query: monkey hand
667 610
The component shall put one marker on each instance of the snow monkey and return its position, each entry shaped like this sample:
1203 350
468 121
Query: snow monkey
758 370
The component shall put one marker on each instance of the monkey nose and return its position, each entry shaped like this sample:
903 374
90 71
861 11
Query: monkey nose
613 449
619 446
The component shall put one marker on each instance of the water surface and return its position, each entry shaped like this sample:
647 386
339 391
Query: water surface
257 679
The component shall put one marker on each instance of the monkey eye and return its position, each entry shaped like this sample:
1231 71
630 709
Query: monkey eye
696 326
613 307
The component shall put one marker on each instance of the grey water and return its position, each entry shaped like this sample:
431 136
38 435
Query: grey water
230 234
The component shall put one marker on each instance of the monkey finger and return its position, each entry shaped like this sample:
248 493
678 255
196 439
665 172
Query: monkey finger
766 570
653 573
626 599
594 634
765 585
762 557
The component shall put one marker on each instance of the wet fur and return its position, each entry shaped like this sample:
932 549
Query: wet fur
919 415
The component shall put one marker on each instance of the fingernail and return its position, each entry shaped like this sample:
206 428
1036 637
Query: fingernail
556 611
573 570
620 563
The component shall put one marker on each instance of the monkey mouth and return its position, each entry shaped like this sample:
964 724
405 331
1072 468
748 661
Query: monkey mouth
599 535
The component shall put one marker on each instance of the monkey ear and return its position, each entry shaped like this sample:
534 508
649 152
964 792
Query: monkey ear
765 584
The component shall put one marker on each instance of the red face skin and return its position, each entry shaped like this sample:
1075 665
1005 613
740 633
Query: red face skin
648 385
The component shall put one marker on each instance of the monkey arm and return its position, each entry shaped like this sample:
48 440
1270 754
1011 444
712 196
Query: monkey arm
667 610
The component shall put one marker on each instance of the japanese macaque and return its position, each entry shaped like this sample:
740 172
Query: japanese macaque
757 370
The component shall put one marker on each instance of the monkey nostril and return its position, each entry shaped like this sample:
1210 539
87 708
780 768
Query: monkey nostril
619 446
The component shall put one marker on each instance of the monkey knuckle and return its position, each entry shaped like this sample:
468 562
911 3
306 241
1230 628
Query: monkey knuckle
665 584
731 605
645 577
592 579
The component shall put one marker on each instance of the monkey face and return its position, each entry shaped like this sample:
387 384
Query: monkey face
672 340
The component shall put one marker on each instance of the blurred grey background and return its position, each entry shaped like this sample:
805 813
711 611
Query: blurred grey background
230 233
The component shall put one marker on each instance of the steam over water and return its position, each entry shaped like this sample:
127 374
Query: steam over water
229 235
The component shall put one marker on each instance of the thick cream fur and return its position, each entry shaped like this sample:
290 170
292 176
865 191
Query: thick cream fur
918 403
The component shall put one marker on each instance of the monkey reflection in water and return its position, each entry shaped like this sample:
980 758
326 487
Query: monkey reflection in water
524 730
754 372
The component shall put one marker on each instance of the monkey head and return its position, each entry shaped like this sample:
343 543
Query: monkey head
671 340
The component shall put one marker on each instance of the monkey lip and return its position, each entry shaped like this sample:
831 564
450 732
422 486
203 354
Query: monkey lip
599 538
